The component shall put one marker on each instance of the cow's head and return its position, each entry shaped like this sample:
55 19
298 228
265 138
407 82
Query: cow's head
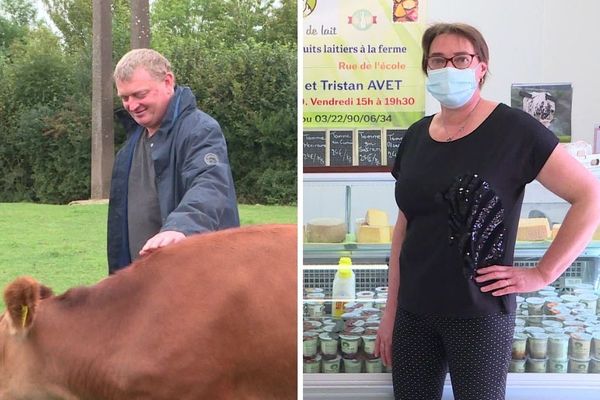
22 298
542 105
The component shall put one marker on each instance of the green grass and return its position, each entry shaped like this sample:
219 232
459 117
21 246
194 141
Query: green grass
65 246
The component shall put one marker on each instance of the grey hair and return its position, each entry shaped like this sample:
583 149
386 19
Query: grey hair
151 60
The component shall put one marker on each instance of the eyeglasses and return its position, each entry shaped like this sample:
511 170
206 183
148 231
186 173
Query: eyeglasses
460 61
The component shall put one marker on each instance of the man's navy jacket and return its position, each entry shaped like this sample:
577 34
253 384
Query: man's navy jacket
193 178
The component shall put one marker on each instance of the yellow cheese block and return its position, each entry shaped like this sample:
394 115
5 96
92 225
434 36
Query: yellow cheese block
556 227
533 229
376 217
326 230
374 234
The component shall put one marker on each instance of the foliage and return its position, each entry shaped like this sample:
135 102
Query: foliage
238 56
245 76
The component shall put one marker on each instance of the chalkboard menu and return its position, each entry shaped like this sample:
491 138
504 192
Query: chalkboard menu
315 148
369 147
340 148
393 137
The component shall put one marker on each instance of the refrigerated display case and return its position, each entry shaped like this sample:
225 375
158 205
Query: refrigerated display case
556 347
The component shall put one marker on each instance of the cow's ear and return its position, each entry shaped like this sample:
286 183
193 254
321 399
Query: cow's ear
22 297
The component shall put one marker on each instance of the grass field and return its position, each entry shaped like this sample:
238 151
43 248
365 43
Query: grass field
65 246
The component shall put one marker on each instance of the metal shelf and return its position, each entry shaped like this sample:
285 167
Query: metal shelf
329 253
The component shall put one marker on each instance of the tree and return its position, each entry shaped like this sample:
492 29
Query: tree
20 12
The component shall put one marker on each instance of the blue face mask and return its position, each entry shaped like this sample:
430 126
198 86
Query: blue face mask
452 87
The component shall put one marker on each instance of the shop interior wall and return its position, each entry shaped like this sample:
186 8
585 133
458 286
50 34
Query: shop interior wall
536 41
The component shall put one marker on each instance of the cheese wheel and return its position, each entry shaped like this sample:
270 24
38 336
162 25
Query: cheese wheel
376 217
531 229
326 230
373 234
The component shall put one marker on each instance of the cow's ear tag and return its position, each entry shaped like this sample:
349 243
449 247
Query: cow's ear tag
24 314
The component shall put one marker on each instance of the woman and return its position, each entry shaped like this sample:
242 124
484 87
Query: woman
460 176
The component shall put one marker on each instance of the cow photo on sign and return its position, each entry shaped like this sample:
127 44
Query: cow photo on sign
548 103
211 317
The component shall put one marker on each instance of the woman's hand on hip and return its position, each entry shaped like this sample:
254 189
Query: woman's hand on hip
505 280
383 343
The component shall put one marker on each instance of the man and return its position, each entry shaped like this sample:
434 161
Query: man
172 178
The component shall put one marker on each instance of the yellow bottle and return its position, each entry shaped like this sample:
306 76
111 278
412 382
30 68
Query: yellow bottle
344 286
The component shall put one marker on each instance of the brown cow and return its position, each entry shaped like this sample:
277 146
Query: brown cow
212 317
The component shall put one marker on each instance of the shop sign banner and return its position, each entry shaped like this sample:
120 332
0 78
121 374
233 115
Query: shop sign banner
362 63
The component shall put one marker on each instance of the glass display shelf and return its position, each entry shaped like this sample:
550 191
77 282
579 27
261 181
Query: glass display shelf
378 253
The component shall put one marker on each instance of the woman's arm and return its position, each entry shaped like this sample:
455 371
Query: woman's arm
383 344
567 178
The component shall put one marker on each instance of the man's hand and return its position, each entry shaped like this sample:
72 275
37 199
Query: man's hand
161 239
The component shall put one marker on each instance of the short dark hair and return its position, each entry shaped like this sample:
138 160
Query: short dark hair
465 30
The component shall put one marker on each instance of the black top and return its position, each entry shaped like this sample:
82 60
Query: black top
507 150
142 200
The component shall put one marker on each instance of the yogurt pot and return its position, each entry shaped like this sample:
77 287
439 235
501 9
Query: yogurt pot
574 322
517 366
380 304
558 347
592 329
573 329
551 331
369 312
373 365
530 330
353 319
310 291
352 307
538 345
590 300
366 298
331 366
579 291
546 293
315 310
352 365
579 366
371 331
369 343
550 323
519 329
579 346
536 365
595 347
534 305
584 286
357 330
557 366
575 307
582 314
349 343
312 365
594 366
519 322
329 343
312 324
519 346
569 298
309 343
381 290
